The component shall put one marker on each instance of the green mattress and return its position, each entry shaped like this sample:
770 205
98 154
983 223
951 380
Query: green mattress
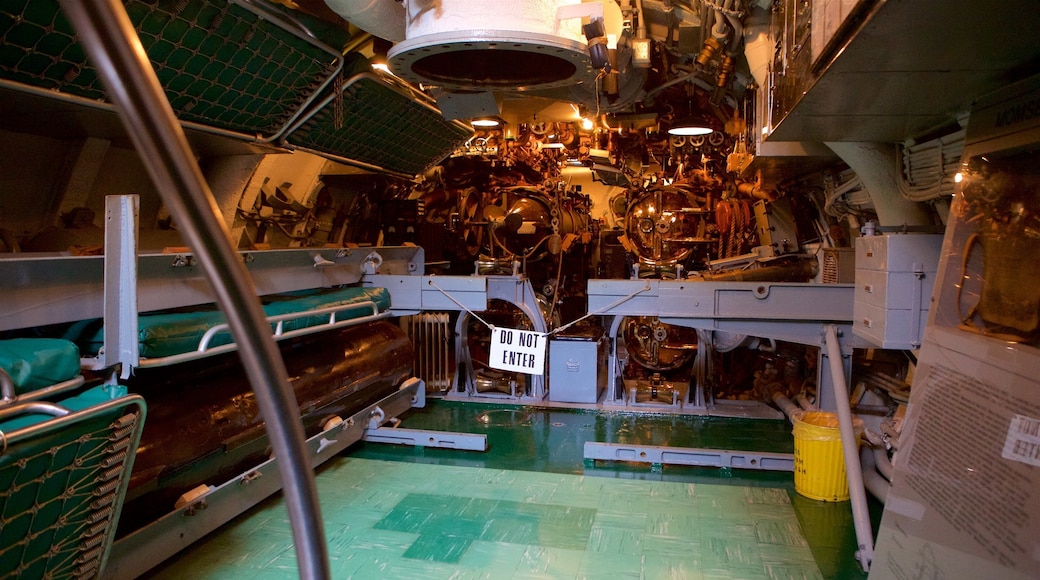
34 363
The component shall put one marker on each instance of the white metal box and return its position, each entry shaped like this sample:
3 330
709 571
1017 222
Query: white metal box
899 252
895 290
895 275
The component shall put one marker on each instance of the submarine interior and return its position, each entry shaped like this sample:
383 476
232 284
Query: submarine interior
519 289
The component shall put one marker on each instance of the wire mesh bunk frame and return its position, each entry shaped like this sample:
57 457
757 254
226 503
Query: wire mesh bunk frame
64 471
237 68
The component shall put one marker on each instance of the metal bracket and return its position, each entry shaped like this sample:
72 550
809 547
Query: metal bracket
657 455
424 438
120 283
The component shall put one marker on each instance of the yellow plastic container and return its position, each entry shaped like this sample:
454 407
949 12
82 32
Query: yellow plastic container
819 463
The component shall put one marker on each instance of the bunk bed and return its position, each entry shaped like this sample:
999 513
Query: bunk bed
147 324
66 449
178 335
240 77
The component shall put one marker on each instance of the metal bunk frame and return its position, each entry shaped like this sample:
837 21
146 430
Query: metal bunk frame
141 550
265 14
120 283
114 285
204 349
108 37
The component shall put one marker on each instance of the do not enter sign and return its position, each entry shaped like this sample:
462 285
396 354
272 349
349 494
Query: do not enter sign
518 350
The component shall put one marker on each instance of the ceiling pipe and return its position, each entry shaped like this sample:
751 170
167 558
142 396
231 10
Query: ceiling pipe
875 165
382 18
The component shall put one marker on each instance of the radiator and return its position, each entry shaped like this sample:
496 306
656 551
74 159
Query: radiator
839 266
431 336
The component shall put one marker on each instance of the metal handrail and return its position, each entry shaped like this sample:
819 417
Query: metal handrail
42 393
297 30
204 350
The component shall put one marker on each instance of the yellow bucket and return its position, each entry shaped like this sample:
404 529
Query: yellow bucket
819 463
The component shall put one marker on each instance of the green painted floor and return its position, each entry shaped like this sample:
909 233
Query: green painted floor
531 507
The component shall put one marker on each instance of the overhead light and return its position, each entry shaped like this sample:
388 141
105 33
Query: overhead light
485 122
586 124
691 126
378 60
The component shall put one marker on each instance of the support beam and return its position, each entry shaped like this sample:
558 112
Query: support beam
120 334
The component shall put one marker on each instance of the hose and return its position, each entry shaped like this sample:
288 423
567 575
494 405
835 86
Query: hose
877 485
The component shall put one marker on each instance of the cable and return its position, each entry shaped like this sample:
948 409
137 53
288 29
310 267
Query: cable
938 158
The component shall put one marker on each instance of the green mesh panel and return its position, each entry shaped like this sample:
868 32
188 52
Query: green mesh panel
220 65
60 491
382 126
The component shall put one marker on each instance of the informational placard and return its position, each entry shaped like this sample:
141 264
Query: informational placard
963 499
517 350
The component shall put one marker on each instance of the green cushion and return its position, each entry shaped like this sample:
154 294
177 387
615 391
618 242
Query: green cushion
34 363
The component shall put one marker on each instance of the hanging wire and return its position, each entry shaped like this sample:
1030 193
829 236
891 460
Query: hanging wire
604 310
459 304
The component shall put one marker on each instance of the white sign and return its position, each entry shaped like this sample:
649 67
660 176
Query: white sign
1023 440
518 350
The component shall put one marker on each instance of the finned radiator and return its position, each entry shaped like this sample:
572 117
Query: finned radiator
431 336
839 266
